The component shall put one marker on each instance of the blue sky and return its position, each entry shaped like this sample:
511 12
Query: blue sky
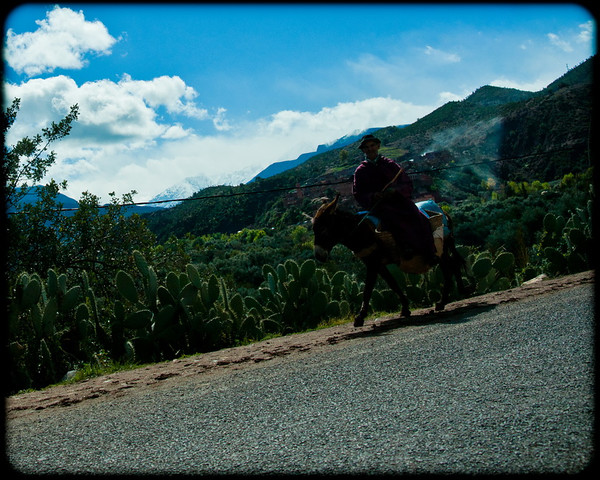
173 91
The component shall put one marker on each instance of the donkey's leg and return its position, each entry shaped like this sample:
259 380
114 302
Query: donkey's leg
457 263
391 281
451 264
447 272
456 272
359 320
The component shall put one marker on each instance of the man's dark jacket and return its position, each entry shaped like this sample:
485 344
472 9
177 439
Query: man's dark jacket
396 210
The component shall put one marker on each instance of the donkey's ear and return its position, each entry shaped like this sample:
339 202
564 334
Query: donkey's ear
333 205
327 208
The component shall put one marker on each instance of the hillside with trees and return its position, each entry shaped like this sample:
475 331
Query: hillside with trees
494 135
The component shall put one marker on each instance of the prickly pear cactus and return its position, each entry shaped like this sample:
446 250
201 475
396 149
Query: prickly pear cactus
43 318
295 297
566 245
126 286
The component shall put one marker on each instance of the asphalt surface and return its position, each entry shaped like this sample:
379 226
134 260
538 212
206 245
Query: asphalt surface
507 389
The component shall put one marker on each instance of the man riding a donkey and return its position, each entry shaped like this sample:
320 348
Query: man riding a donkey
394 230
383 188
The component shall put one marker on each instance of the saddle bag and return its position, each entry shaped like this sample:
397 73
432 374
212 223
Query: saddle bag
436 220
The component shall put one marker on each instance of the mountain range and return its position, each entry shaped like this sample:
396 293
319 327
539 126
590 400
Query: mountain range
191 185
70 204
31 196
173 195
280 167
194 184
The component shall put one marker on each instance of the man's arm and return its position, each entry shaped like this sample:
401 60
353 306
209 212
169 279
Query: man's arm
362 188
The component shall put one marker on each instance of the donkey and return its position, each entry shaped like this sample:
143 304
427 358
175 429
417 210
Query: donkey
332 226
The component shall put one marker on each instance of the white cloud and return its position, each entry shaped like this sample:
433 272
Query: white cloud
446 97
219 121
123 140
370 64
61 41
176 132
586 33
533 86
441 56
398 66
418 75
170 92
109 112
565 43
41 102
557 41
345 117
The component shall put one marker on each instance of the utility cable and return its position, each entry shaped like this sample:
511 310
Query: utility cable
322 184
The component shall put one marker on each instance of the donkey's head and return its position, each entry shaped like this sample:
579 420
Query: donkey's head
326 229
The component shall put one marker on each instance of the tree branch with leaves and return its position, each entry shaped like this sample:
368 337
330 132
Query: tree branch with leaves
29 159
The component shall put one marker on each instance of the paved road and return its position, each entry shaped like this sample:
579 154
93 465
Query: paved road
503 390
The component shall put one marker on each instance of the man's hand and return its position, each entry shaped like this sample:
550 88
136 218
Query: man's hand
387 195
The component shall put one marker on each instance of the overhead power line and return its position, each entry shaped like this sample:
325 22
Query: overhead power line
321 184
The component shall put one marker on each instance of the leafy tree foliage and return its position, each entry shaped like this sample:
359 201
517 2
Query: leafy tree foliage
95 238
513 219
30 159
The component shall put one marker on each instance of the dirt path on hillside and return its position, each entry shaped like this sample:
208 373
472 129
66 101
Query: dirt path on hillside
123 383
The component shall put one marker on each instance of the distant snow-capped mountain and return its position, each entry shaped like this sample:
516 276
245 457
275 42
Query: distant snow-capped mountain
182 190
194 184
190 185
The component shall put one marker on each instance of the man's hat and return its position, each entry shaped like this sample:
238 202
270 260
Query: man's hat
368 138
